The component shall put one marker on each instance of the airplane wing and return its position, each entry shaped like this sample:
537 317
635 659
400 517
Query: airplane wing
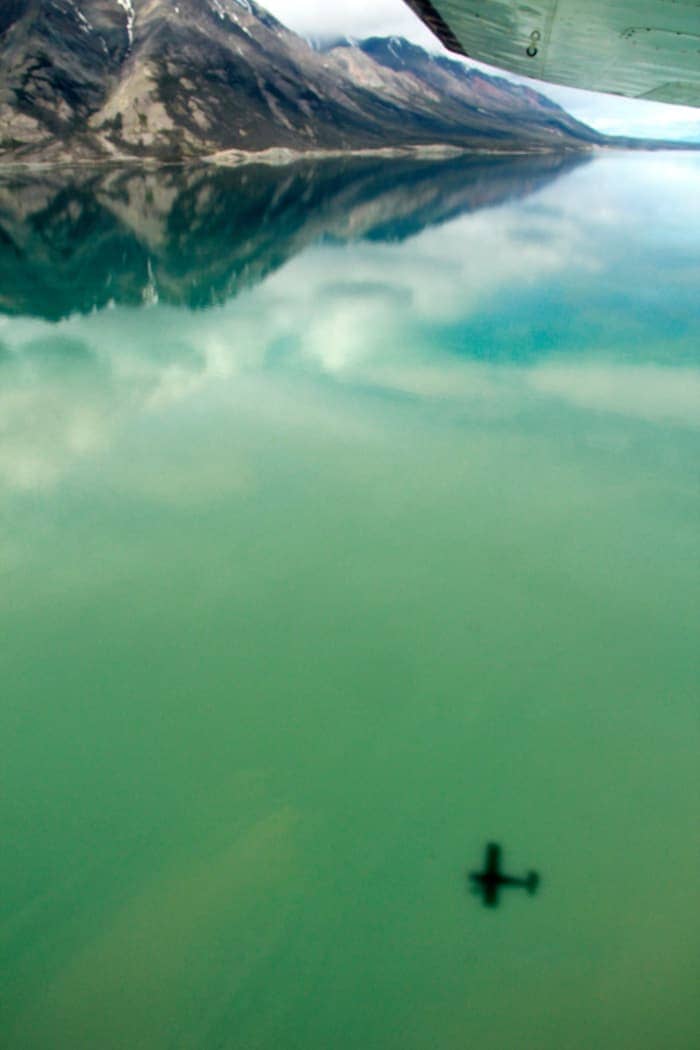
641 48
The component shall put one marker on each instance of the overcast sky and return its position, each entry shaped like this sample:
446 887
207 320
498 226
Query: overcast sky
362 18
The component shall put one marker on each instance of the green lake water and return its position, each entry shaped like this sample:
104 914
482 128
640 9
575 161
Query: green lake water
349 520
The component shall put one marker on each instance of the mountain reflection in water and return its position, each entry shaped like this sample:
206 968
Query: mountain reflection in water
74 240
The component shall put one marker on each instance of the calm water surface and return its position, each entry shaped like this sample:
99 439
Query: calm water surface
349 519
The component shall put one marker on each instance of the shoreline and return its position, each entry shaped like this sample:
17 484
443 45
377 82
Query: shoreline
283 156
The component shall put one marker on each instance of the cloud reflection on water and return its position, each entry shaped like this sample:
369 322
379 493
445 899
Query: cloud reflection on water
399 316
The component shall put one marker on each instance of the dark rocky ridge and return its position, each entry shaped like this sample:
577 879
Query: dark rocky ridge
174 79
74 240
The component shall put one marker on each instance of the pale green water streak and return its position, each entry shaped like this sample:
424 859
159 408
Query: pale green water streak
306 596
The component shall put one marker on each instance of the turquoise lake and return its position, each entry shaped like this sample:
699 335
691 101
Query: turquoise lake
350 520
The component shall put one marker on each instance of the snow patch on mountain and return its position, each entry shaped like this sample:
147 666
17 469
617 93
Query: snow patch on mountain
128 8
83 22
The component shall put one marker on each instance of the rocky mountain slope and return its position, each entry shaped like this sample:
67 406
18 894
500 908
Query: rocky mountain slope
76 239
172 79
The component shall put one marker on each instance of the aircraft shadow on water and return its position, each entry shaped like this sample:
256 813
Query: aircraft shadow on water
489 882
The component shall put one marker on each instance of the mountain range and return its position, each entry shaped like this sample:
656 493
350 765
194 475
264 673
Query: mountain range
170 80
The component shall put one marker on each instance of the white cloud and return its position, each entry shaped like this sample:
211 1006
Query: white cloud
318 18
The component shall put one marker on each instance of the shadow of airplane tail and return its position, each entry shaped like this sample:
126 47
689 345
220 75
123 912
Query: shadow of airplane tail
532 882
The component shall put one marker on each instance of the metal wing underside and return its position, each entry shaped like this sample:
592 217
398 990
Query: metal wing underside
641 48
